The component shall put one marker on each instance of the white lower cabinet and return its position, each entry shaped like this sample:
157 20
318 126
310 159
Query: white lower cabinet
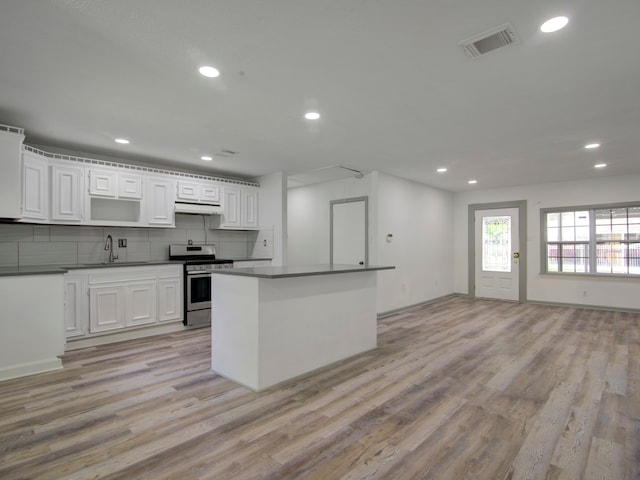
169 299
106 310
140 303
76 305
104 300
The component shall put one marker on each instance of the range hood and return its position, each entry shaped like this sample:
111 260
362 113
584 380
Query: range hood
198 208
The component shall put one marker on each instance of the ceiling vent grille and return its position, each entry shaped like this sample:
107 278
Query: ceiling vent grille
490 40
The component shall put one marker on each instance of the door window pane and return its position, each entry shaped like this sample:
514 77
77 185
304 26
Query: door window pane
496 244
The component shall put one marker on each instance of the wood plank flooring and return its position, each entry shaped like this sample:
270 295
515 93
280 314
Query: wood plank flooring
460 388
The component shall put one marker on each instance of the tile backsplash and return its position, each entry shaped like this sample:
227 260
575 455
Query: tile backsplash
27 244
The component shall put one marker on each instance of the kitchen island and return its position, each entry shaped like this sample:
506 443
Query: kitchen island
272 324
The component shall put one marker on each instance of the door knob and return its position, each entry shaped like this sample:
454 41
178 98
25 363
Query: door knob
360 263
516 254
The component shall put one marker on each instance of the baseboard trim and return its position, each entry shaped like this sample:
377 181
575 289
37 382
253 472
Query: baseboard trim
419 304
31 368
76 343
583 306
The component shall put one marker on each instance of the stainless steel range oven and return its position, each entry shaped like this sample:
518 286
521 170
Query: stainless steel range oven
197 280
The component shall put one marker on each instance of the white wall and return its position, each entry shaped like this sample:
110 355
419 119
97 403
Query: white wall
309 217
273 214
419 217
420 220
600 291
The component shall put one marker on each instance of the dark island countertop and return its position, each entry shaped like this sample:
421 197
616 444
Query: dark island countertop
299 270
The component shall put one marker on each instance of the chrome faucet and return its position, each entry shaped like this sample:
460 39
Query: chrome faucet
108 245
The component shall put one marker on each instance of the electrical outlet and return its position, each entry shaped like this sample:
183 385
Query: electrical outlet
122 242
264 242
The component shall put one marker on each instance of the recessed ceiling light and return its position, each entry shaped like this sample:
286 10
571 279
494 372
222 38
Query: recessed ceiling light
312 115
441 170
600 165
209 71
592 145
554 24
123 141
472 182
206 158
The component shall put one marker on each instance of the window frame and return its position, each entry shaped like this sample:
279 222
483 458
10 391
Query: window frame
592 257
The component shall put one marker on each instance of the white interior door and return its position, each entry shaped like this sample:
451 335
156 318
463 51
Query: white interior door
497 253
349 232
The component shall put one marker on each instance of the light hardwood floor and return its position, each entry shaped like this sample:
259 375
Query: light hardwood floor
460 388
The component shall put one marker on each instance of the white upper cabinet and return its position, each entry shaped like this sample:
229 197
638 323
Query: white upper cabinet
102 183
130 186
240 208
232 205
198 192
115 184
66 193
34 186
249 208
160 201
210 193
54 189
11 139
188 191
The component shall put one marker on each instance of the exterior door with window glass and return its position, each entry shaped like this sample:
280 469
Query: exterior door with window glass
497 247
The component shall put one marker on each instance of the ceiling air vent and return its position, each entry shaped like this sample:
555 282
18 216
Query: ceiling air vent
490 40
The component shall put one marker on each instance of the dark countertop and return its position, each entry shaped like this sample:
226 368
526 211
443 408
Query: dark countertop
42 270
246 259
299 270
61 269
123 264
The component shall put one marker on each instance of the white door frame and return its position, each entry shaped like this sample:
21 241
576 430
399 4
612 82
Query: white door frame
366 225
521 205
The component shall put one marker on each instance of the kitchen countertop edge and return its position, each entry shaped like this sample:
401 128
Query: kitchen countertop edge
300 271
61 269
24 271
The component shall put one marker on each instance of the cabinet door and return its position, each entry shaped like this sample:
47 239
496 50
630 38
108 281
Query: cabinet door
66 193
102 184
75 295
129 186
169 299
106 308
250 208
209 193
160 202
188 191
34 186
140 301
231 207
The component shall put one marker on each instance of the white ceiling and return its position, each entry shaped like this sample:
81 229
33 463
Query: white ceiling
395 90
